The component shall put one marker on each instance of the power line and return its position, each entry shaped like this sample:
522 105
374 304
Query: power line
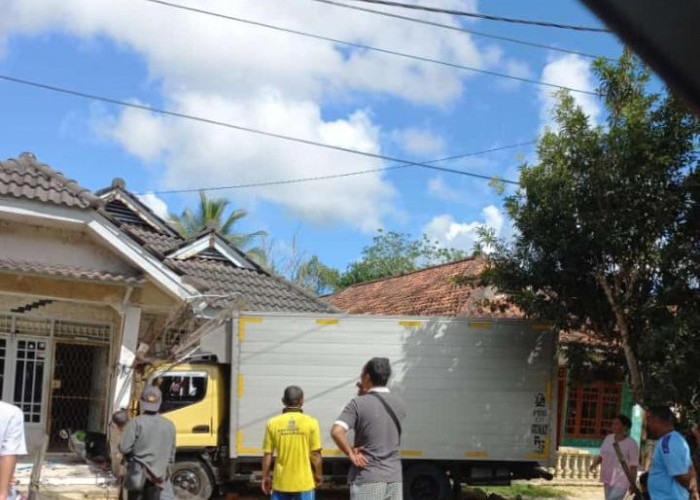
426 164
486 17
465 30
233 126
367 47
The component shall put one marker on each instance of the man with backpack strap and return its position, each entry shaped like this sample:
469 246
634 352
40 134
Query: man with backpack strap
148 444
375 415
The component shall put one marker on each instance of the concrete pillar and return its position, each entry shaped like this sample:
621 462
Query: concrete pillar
127 354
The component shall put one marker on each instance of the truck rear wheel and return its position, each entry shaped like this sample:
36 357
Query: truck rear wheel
191 480
425 482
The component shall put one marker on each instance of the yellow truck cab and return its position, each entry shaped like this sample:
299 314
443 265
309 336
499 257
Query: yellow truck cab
195 400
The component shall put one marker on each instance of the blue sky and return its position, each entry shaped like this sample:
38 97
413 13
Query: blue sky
307 88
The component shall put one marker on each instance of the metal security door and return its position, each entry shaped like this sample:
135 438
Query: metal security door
78 389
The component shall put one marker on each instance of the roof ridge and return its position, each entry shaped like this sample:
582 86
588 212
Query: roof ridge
71 185
396 276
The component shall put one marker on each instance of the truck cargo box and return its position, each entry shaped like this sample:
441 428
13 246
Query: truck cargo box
475 389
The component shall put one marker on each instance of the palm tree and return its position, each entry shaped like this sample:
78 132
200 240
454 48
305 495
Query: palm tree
211 213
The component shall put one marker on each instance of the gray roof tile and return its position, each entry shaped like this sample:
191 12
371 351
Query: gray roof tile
262 291
24 177
64 271
158 242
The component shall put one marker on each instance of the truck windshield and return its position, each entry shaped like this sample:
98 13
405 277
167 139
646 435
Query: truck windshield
181 389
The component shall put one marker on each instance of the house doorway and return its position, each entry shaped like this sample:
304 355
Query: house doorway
78 389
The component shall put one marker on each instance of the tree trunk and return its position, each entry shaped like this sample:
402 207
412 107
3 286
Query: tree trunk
636 383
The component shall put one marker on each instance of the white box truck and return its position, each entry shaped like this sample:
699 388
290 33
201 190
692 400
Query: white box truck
480 394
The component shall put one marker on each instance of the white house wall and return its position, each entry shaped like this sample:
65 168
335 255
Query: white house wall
57 247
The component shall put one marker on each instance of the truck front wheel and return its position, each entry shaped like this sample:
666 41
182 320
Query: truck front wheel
191 480
425 482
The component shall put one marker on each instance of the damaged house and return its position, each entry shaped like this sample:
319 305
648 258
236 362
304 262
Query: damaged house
85 278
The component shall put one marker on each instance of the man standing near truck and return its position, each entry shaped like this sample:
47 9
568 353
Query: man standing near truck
148 445
672 475
375 415
296 440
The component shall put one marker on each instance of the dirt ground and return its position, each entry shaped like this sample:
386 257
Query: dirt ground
338 493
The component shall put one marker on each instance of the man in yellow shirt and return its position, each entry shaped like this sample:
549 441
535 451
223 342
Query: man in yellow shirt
295 439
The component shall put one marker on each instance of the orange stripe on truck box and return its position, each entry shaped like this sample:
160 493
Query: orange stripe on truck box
241 325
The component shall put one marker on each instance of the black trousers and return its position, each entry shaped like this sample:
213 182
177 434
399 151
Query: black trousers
150 491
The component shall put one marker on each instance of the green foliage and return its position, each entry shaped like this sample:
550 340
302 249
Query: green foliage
211 213
291 263
316 276
392 254
497 185
607 231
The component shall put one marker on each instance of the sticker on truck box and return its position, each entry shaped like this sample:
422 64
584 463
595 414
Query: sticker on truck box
539 427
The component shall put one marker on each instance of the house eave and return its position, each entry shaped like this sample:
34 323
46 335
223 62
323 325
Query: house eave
107 232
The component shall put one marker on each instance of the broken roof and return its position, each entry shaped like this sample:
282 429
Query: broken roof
209 262
212 264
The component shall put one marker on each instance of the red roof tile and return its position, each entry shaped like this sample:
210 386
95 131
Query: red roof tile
435 291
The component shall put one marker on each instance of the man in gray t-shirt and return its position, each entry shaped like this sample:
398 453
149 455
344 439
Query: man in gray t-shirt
150 440
375 415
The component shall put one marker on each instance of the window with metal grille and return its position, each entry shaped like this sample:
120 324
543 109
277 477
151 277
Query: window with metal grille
591 409
181 389
29 378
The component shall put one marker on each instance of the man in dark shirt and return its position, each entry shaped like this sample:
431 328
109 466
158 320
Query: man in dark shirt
375 415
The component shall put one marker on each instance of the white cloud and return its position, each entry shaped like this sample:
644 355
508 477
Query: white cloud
156 204
570 71
141 137
416 141
197 154
438 188
462 235
269 80
493 218
516 68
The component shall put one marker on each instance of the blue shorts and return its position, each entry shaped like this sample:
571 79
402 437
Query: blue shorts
300 495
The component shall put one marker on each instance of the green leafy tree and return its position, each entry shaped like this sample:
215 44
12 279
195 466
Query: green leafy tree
607 231
392 254
316 276
292 264
214 213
